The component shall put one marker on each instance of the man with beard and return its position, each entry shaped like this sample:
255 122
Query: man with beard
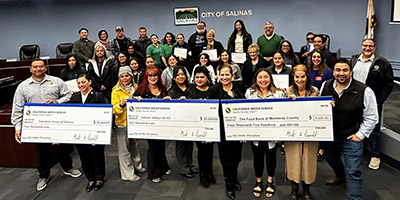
355 115
269 42
377 73
100 71
83 48
198 40
120 43
42 88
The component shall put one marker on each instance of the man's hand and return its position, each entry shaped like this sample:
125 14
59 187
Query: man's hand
102 87
354 137
49 101
18 136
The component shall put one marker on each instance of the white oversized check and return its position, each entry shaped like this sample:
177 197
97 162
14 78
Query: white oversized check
192 120
67 123
305 119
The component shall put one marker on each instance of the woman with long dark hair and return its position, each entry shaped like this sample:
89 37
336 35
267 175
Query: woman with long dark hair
240 39
156 51
264 88
319 71
289 57
226 59
168 44
131 53
152 88
188 61
122 60
301 159
72 69
167 74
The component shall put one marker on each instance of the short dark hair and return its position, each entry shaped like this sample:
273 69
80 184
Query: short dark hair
85 75
368 39
202 23
101 31
323 38
82 30
344 61
142 27
309 33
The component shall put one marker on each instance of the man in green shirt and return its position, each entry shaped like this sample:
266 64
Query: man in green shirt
269 42
83 48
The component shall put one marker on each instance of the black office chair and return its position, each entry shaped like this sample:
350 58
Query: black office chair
63 50
29 52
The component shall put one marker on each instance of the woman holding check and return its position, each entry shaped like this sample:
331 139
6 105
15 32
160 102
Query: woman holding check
128 150
301 157
92 156
230 152
152 88
264 88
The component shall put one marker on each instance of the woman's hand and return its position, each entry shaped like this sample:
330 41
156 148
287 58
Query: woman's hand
167 98
333 103
122 103
293 97
182 98
138 98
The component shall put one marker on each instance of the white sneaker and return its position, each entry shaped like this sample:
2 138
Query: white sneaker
75 173
156 180
168 172
42 183
374 163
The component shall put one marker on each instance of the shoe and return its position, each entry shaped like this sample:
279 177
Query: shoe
212 178
141 170
229 190
334 180
134 178
98 185
90 186
42 183
257 189
194 170
204 180
374 163
189 175
156 180
75 173
168 172
320 156
269 189
237 186
295 190
306 191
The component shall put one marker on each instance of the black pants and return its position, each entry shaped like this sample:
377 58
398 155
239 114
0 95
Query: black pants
157 163
230 154
92 160
259 152
205 156
44 158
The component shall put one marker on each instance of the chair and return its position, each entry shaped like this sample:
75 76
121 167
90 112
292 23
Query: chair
29 52
63 50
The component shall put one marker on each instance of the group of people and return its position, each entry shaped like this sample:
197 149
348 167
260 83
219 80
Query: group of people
121 69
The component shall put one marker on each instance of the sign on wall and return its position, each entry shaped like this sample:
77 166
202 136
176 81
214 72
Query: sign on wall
186 16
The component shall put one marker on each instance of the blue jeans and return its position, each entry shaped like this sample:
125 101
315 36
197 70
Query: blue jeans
374 138
352 154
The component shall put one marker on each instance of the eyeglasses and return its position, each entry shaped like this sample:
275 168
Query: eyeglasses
366 45
285 46
311 38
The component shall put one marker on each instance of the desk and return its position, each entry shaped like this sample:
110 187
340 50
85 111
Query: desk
20 69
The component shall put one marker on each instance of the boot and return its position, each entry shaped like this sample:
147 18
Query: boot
229 188
306 191
295 190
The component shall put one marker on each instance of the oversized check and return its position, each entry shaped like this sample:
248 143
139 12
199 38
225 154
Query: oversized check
305 119
192 120
67 123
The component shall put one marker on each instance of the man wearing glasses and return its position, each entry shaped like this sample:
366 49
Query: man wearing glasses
376 72
198 39
306 49
269 42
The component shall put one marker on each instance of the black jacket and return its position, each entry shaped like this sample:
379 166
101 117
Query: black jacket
380 77
248 73
92 98
104 79
247 41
